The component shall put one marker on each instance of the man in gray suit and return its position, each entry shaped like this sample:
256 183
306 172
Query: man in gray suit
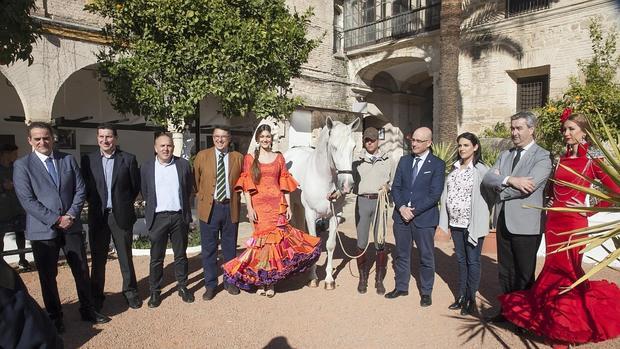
519 177
51 190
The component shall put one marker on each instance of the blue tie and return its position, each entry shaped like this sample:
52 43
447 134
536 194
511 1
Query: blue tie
414 171
49 162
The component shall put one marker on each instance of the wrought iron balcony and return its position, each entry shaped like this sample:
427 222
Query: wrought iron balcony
404 24
519 7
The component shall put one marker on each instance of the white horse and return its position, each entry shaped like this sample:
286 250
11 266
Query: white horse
320 172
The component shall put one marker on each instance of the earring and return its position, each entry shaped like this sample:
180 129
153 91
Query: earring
583 140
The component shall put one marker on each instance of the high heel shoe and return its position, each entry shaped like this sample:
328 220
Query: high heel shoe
458 303
261 291
270 292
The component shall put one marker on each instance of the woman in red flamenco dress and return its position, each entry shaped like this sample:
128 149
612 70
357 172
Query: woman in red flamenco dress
276 249
591 311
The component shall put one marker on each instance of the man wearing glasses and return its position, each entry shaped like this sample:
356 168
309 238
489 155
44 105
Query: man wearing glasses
372 171
416 190
217 169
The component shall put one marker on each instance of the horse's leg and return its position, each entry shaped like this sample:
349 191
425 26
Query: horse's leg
311 223
330 284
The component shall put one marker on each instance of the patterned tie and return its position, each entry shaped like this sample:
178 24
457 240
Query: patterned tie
414 171
51 169
220 182
517 158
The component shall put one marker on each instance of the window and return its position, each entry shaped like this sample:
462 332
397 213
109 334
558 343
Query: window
517 7
532 92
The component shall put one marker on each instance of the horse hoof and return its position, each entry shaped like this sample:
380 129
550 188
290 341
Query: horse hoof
331 285
313 283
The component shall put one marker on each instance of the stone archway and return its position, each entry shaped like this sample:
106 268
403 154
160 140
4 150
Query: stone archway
399 98
12 127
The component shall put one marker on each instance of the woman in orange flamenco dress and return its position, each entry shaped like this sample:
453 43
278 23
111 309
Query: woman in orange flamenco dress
591 311
276 249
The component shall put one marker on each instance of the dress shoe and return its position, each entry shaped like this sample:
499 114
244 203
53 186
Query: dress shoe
209 294
232 289
469 307
458 303
60 326
186 295
155 300
94 317
497 319
396 293
133 300
426 300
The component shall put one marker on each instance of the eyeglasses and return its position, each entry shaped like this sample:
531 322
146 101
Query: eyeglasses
369 140
414 140
220 137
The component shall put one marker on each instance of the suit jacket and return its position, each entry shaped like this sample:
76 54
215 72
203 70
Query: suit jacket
205 167
42 200
186 186
535 163
425 192
125 188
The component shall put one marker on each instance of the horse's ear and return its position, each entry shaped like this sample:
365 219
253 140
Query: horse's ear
329 122
355 124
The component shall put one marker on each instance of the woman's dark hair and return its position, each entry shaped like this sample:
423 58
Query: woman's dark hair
474 141
255 169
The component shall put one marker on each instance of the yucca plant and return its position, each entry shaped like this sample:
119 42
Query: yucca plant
446 151
592 237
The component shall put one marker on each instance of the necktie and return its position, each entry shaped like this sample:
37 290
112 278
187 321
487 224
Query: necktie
517 157
49 163
220 182
414 171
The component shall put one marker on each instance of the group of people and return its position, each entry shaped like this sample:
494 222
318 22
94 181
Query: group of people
52 189
511 192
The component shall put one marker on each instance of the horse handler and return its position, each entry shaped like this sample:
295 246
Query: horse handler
372 173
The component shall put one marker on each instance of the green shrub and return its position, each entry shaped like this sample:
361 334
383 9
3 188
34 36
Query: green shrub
596 93
143 242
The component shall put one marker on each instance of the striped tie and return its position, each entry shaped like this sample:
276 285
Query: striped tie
220 179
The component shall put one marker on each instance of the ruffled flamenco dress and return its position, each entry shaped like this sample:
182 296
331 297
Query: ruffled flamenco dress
276 250
591 311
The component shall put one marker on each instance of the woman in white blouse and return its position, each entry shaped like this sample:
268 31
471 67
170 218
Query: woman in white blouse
465 211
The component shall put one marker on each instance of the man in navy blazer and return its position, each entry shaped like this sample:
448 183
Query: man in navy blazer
167 184
51 190
416 190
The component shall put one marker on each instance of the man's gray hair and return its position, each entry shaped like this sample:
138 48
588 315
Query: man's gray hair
530 118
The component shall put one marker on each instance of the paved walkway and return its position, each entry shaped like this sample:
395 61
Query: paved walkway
298 316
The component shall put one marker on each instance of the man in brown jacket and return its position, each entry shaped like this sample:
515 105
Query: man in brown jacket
216 170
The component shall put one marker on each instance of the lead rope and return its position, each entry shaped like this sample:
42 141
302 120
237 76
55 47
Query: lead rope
380 219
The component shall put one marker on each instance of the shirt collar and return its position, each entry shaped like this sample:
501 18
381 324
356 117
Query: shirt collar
457 165
44 157
164 164
528 146
104 155
217 152
422 156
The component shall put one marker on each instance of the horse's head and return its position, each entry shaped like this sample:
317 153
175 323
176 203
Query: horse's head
340 146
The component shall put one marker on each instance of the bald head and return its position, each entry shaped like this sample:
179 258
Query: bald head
421 140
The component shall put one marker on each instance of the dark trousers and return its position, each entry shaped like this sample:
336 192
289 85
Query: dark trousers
46 254
468 259
516 257
99 237
219 226
168 224
404 235
20 241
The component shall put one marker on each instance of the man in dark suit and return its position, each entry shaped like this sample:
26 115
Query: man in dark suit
112 181
167 184
416 190
218 206
51 190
